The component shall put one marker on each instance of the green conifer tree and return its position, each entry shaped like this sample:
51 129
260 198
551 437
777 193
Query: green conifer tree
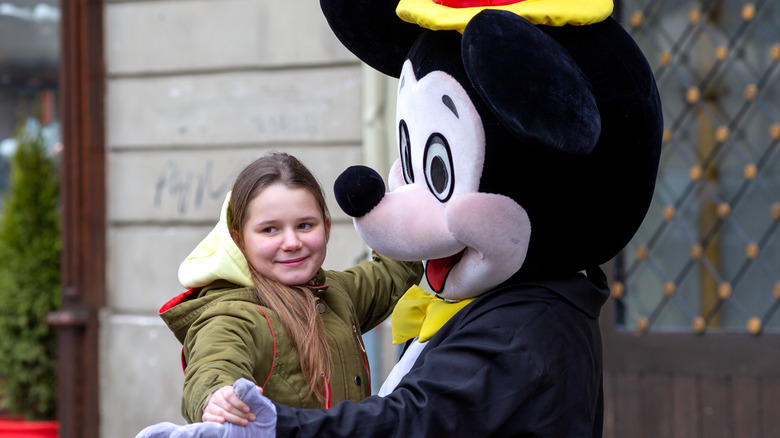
30 246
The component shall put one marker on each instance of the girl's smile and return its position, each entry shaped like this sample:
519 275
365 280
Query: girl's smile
293 263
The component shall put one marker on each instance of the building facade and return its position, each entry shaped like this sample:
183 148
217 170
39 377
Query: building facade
163 101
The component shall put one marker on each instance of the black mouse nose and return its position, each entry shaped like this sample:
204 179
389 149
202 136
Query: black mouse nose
358 189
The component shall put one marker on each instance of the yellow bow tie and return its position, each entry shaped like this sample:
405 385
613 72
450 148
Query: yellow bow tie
419 313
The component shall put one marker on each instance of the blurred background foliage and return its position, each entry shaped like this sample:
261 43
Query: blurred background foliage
30 245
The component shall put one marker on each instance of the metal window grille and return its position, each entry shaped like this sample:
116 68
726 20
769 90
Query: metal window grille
707 257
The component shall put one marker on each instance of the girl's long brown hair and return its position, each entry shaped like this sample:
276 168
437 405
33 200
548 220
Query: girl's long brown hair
295 305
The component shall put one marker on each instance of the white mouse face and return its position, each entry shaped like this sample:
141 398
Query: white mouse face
440 135
469 241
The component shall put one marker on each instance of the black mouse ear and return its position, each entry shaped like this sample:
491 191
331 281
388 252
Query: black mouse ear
372 31
530 82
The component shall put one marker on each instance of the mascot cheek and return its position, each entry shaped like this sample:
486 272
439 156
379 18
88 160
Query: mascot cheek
497 243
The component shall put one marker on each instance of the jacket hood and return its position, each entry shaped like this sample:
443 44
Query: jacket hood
217 257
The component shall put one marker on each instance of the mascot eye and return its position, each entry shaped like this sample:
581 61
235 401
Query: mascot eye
438 167
406 152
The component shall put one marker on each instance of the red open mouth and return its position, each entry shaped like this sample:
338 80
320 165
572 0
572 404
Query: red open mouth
436 271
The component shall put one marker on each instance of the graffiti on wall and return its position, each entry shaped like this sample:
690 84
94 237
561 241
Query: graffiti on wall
187 187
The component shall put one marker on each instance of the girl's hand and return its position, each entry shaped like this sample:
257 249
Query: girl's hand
224 405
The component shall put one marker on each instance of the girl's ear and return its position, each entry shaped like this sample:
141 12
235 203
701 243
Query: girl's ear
234 235
327 230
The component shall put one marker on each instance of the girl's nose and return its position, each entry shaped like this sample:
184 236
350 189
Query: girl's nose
291 241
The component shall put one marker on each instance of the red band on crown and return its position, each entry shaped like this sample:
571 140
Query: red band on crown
475 3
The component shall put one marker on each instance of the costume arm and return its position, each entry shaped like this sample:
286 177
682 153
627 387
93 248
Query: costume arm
223 345
375 286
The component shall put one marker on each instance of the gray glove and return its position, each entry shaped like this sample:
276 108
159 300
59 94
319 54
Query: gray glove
263 427
195 430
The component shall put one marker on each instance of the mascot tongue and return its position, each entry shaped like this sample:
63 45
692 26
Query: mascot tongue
436 271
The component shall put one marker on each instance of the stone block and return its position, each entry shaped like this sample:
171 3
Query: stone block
143 265
235 109
141 374
173 186
153 37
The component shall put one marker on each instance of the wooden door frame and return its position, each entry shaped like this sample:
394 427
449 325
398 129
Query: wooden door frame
711 353
82 187
664 383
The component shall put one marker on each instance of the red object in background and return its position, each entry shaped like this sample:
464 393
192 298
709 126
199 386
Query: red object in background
47 107
20 428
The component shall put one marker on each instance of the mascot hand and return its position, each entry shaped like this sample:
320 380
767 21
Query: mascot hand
263 427
263 408
195 430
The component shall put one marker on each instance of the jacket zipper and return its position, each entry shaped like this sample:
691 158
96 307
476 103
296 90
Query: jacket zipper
363 355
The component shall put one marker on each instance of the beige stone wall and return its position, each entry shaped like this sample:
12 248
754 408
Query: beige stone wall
196 89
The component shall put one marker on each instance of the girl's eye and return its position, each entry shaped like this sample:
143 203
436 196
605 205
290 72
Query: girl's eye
269 230
304 226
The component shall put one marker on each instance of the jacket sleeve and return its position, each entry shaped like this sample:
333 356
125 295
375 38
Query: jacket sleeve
496 375
224 344
374 286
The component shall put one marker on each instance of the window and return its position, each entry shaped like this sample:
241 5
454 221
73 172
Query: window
708 254
29 57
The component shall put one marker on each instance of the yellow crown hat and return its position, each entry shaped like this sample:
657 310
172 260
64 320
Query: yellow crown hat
455 14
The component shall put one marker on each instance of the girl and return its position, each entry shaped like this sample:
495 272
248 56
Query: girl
261 307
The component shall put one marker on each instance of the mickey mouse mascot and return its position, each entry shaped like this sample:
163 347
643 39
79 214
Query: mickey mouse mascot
529 135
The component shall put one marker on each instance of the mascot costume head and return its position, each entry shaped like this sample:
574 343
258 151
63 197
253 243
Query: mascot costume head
529 136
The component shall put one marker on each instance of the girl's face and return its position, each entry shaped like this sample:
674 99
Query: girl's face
285 236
